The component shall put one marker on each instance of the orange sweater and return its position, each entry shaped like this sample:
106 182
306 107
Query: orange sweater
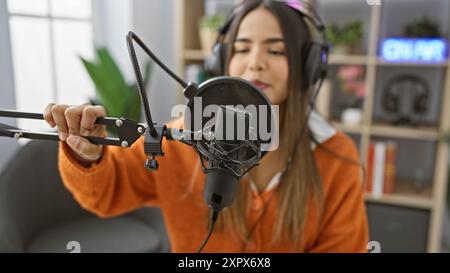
119 183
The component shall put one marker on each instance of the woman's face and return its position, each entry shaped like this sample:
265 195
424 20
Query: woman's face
260 55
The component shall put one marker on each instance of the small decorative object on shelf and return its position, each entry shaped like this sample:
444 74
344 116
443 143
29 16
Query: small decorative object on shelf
346 39
208 30
422 28
422 41
352 82
406 97
419 183
351 116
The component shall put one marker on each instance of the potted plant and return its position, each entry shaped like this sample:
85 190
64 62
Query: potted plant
346 39
351 80
422 28
120 99
208 30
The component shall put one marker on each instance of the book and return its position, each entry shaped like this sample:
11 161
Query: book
369 175
381 168
390 167
378 169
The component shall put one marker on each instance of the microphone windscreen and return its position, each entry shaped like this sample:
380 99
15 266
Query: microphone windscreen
224 104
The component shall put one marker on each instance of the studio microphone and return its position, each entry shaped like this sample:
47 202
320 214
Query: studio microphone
232 125
231 140
229 150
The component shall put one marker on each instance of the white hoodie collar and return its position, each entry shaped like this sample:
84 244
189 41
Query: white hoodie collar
321 130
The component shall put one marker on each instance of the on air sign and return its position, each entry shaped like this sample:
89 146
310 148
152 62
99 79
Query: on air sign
429 50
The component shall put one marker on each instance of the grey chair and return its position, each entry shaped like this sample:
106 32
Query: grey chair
38 214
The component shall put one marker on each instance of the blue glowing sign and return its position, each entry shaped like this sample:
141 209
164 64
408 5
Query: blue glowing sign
428 50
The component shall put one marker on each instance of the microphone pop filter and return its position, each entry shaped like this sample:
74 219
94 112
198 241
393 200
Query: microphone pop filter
233 124
216 99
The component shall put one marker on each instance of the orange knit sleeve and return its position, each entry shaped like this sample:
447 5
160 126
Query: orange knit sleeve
344 226
117 184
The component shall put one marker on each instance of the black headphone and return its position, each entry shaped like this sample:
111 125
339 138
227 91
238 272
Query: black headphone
314 53
399 86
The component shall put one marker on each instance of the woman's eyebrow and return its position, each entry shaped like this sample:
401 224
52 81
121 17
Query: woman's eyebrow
273 40
243 40
266 41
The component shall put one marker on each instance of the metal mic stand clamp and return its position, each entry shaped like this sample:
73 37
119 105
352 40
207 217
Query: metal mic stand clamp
129 131
153 147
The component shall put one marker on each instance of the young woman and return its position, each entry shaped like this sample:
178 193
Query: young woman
314 203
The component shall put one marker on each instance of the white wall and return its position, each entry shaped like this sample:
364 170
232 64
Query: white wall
7 146
112 21
154 23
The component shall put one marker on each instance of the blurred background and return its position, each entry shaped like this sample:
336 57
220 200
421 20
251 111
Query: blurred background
388 88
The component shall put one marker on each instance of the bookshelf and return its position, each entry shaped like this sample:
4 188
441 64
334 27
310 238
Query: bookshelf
405 197
433 197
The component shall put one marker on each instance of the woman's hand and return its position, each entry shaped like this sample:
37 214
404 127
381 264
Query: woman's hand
73 122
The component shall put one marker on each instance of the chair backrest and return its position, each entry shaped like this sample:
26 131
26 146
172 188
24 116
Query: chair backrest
32 195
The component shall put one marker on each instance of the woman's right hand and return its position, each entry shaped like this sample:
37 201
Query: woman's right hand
74 122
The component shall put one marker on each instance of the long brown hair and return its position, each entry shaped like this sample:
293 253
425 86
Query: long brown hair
301 182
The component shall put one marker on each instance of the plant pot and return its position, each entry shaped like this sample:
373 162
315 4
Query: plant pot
355 48
208 37
340 49
346 49
351 116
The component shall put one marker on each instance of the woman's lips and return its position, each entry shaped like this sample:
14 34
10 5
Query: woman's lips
261 85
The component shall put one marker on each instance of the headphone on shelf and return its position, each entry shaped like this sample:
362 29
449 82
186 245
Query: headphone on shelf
314 53
399 86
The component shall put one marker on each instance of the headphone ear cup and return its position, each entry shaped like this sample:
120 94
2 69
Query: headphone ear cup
420 104
313 67
390 101
214 64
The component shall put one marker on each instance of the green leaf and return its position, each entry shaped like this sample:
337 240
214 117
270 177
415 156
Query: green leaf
422 28
100 79
212 22
133 106
110 66
119 98
108 81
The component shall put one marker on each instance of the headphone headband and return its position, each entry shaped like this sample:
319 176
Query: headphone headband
296 5
315 54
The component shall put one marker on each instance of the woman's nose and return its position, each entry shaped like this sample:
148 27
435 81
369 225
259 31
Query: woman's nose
257 61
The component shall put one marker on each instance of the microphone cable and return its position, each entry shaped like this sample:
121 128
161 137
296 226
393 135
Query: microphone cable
212 222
